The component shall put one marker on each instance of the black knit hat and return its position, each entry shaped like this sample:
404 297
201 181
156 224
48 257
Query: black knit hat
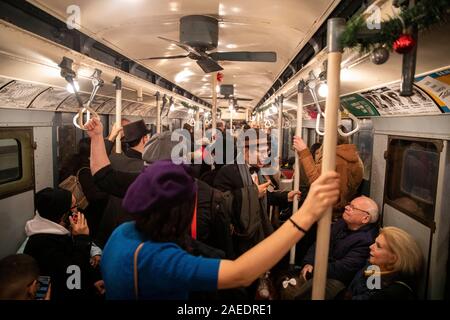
52 204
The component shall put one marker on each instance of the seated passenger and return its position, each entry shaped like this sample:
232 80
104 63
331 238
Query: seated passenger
55 248
350 239
19 275
399 259
149 258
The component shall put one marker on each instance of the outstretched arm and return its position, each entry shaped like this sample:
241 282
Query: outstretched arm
244 270
311 168
99 157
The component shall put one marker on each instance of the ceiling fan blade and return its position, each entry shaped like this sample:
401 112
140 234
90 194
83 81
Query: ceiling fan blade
225 98
182 46
209 65
218 98
267 56
169 57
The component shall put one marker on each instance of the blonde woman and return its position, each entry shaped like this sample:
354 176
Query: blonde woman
397 259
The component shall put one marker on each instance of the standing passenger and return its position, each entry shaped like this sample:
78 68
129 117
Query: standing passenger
135 138
149 258
348 165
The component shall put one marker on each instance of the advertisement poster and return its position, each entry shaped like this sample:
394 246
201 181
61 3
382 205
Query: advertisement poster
359 106
437 85
387 101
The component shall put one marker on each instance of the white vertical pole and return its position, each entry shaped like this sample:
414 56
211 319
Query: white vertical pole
231 121
214 102
280 131
140 95
158 116
298 132
335 27
118 82
197 120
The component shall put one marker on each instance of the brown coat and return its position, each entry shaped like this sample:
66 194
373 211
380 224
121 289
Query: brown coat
348 165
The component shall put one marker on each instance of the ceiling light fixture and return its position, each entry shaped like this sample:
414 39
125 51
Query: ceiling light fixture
70 88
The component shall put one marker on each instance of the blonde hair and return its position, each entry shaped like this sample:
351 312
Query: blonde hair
405 248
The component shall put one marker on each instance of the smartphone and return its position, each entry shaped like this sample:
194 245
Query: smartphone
44 283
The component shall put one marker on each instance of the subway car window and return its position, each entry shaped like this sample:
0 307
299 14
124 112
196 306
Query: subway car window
16 161
412 174
10 166
67 147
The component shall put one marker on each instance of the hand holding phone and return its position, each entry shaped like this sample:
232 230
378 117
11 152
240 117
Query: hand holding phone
43 293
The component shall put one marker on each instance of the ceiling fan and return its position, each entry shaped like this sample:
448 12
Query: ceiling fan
199 34
227 92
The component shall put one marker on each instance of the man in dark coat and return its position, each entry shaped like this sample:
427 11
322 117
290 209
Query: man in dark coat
235 176
350 239
135 137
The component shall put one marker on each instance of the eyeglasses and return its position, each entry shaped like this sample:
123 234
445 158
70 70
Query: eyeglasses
352 207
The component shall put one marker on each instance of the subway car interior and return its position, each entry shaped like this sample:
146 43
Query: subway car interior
378 70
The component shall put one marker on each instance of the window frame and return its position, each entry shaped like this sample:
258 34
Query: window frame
19 164
24 137
439 147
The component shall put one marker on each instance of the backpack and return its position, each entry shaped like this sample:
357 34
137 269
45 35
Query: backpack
73 185
222 226
236 229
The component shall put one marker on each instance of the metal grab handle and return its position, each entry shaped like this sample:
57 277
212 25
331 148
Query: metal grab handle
319 111
321 114
320 133
348 134
78 118
97 83
191 122
269 123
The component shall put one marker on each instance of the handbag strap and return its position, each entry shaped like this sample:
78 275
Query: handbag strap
78 172
136 284
194 221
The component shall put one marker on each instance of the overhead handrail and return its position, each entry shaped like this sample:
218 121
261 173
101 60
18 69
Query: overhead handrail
320 114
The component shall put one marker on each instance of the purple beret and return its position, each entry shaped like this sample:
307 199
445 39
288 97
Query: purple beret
161 185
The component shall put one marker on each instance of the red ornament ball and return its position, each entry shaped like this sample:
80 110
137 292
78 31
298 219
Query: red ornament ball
219 76
404 44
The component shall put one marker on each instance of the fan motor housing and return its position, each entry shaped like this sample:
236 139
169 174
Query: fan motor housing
199 31
226 90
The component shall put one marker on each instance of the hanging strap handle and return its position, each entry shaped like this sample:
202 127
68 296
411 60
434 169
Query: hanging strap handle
135 264
78 118
194 221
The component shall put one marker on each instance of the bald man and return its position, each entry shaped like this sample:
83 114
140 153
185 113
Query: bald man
350 239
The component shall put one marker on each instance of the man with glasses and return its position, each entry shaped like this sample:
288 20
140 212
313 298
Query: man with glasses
350 239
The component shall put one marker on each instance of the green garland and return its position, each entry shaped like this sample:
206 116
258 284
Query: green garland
188 106
424 14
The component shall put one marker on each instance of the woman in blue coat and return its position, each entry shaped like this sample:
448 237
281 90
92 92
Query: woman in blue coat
149 258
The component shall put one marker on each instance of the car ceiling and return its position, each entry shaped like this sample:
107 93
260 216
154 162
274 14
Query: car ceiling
132 27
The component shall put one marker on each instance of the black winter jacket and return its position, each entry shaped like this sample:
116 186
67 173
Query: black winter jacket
55 254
